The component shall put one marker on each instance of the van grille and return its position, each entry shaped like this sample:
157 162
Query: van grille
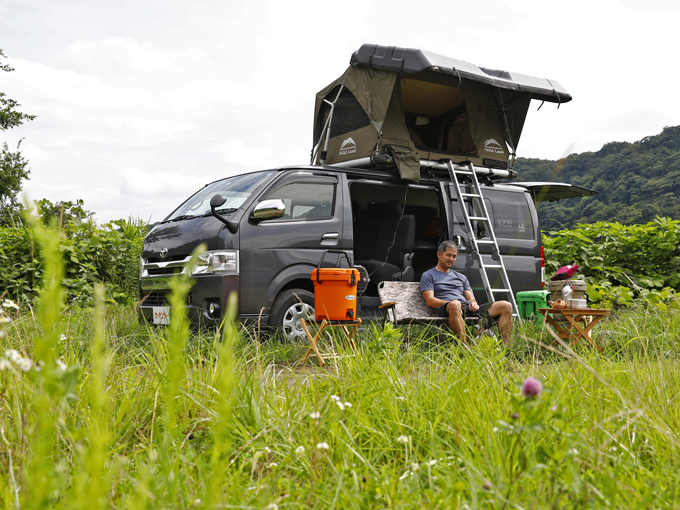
160 299
154 267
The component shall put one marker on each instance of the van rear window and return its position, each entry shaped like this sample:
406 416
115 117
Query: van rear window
511 215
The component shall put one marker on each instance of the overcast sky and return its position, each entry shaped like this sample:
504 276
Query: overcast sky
140 103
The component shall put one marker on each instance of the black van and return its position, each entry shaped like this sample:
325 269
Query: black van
269 229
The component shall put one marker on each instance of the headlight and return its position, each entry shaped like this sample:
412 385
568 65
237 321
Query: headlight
220 262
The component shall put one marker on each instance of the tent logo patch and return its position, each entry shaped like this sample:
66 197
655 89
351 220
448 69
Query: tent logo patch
493 146
348 147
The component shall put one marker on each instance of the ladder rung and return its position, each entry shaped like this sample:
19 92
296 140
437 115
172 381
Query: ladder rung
492 266
472 195
484 241
479 218
462 172
499 290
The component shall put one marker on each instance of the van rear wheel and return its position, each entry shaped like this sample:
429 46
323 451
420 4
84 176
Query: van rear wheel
289 307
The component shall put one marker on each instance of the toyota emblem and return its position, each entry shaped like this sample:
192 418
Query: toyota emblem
164 253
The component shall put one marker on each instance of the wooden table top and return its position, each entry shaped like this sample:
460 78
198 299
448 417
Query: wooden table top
577 311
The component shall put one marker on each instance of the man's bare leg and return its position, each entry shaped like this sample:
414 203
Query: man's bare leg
456 321
503 310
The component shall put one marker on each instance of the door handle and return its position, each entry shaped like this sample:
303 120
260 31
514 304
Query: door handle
331 235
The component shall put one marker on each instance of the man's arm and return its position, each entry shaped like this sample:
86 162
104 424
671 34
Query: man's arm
432 301
470 298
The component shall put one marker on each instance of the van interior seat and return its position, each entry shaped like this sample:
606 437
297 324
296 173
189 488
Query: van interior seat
374 236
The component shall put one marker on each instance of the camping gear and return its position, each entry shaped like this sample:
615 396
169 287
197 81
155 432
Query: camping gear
578 288
565 272
411 105
573 325
335 290
577 303
528 303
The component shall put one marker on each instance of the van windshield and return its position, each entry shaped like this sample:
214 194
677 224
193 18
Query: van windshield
236 189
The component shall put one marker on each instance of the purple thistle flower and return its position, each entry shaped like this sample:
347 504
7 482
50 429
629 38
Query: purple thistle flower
531 387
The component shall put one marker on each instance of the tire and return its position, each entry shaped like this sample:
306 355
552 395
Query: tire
289 307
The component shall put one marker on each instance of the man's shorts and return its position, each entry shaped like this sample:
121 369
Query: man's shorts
483 311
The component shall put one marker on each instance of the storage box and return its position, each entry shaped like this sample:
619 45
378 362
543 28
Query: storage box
335 293
577 303
528 303
578 287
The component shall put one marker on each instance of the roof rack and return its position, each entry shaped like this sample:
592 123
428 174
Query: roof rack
382 160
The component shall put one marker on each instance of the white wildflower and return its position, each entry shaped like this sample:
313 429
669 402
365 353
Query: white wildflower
415 467
62 337
335 397
341 406
61 366
272 464
573 451
197 502
404 439
322 446
431 462
4 364
4 319
267 449
13 355
300 450
272 506
2 334
7 303
315 415
347 404
495 429
24 364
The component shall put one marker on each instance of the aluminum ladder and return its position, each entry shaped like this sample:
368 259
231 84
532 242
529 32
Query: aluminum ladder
467 171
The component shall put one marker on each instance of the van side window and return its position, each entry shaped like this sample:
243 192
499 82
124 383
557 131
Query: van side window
306 200
511 216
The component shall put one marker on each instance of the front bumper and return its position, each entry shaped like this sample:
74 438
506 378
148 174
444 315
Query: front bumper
205 290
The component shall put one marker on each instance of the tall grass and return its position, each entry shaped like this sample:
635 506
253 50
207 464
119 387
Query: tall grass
121 415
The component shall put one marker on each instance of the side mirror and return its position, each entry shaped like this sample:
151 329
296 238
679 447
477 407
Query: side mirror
269 209
217 201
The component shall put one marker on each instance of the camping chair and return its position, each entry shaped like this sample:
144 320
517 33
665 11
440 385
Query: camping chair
403 303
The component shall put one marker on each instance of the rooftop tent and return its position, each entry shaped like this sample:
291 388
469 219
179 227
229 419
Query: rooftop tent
413 105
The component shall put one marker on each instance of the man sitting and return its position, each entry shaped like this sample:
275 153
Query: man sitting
450 293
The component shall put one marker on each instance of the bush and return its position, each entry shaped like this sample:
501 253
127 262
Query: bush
622 263
108 253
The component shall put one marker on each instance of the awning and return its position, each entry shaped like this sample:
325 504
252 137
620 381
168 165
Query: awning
553 191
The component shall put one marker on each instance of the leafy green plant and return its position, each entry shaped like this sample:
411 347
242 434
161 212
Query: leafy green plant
108 254
620 263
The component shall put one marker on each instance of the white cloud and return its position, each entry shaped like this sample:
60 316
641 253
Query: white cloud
138 106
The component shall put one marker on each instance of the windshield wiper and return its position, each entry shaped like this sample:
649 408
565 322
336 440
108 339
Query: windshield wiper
180 218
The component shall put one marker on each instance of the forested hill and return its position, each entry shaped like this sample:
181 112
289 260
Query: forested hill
635 182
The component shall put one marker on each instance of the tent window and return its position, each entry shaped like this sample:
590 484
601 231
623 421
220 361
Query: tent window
436 116
348 116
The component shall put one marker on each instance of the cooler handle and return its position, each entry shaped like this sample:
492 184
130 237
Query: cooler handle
318 267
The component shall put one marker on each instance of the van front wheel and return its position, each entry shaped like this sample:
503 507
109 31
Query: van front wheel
289 307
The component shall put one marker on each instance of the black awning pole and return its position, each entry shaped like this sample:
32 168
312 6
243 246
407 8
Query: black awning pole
506 127
324 153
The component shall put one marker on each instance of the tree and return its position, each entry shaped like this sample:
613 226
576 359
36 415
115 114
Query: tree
13 166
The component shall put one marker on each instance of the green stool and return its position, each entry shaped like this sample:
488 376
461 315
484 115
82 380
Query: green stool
529 301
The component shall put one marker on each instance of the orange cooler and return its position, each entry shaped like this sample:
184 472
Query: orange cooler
335 292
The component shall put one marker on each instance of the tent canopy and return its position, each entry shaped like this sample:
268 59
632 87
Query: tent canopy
413 104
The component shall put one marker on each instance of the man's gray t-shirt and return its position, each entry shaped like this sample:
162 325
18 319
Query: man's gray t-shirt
446 286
